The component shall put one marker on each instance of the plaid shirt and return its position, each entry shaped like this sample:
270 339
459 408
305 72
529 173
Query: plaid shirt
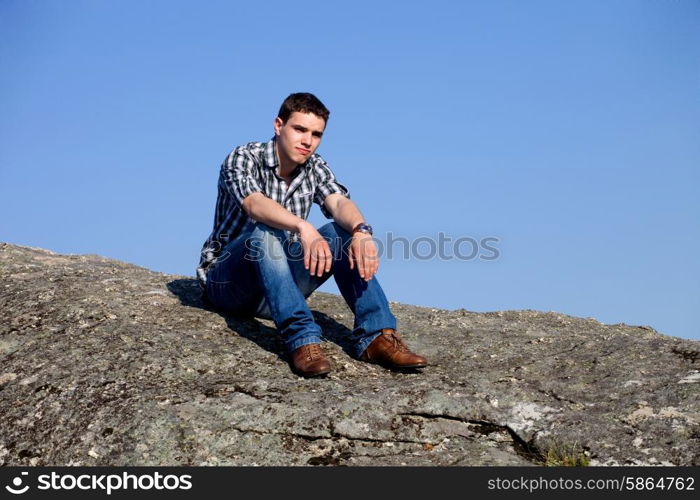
253 169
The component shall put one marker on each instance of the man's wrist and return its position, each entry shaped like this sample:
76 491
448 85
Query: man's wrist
301 225
362 228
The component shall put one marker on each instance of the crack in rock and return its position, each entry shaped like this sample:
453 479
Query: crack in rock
526 449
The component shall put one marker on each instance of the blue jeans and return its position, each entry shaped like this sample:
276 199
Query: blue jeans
261 273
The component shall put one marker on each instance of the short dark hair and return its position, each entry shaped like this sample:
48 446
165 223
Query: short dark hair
303 102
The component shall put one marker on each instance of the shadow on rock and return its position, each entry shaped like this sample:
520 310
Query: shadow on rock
190 295
334 332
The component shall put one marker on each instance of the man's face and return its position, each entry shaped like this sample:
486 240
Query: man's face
298 137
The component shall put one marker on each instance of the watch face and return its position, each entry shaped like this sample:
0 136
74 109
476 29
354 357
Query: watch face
363 228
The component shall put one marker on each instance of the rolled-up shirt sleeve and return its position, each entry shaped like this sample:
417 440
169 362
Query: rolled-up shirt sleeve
239 175
326 184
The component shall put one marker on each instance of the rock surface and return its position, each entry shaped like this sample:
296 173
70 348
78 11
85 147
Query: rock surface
107 363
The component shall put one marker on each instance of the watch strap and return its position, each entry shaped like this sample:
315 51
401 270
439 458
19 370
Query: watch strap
362 227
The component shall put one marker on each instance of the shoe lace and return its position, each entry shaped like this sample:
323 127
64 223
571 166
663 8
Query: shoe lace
313 351
396 340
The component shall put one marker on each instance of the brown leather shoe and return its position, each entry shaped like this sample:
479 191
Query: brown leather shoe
309 361
390 351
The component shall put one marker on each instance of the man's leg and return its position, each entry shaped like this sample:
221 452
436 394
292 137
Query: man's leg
278 284
286 303
374 334
232 281
253 268
366 299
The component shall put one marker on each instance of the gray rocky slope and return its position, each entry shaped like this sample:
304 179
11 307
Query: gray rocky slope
107 363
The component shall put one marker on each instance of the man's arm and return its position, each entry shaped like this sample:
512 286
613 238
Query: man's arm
363 250
268 211
344 211
317 253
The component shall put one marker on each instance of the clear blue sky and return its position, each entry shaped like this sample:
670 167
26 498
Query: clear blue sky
568 130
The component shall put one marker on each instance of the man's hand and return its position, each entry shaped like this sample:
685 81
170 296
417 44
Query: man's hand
363 251
317 253
363 255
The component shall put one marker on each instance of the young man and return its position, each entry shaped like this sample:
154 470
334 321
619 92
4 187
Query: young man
264 259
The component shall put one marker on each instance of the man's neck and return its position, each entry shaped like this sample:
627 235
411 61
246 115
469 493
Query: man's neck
287 172
286 166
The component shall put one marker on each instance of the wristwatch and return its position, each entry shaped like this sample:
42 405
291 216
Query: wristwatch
362 227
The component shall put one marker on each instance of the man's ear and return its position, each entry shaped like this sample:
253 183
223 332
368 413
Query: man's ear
278 125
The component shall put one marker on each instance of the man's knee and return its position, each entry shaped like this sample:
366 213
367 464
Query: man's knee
338 238
265 242
332 230
262 230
